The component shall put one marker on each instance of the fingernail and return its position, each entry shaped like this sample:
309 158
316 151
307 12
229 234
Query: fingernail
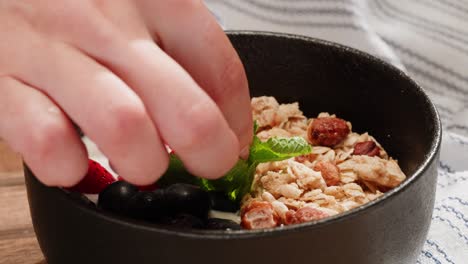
244 153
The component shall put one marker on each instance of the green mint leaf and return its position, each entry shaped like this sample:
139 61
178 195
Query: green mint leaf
176 173
235 184
276 149
255 127
238 181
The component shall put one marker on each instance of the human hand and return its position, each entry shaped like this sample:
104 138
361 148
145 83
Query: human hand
133 74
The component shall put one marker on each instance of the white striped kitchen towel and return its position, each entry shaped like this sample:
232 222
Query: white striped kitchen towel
426 38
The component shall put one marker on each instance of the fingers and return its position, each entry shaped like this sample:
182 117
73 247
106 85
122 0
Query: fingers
34 126
151 93
189 121
190 34
106 109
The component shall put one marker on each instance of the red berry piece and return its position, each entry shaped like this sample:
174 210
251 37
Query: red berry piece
368 148
96 180
259 215
303 215
327 131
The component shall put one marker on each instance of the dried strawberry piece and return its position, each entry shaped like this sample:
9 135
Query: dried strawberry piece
303 215
327 131
96 180
368 148
258 215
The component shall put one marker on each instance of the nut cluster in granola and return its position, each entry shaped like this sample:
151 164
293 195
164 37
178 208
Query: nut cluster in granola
344 170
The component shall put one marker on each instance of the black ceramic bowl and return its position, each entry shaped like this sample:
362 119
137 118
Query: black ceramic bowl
321 76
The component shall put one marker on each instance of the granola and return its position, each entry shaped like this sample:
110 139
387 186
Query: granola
345 172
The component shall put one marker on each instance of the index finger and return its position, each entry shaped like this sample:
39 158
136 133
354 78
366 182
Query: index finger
190 34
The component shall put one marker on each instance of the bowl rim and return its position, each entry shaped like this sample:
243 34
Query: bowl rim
245 234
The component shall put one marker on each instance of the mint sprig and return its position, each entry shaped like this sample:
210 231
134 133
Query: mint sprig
238 181
275 149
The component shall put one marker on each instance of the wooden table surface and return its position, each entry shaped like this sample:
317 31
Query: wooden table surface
18 243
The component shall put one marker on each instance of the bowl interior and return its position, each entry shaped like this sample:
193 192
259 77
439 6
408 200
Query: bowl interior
324 77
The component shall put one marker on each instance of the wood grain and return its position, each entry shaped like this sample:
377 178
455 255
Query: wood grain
14 212
20 250
9 160
18 243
